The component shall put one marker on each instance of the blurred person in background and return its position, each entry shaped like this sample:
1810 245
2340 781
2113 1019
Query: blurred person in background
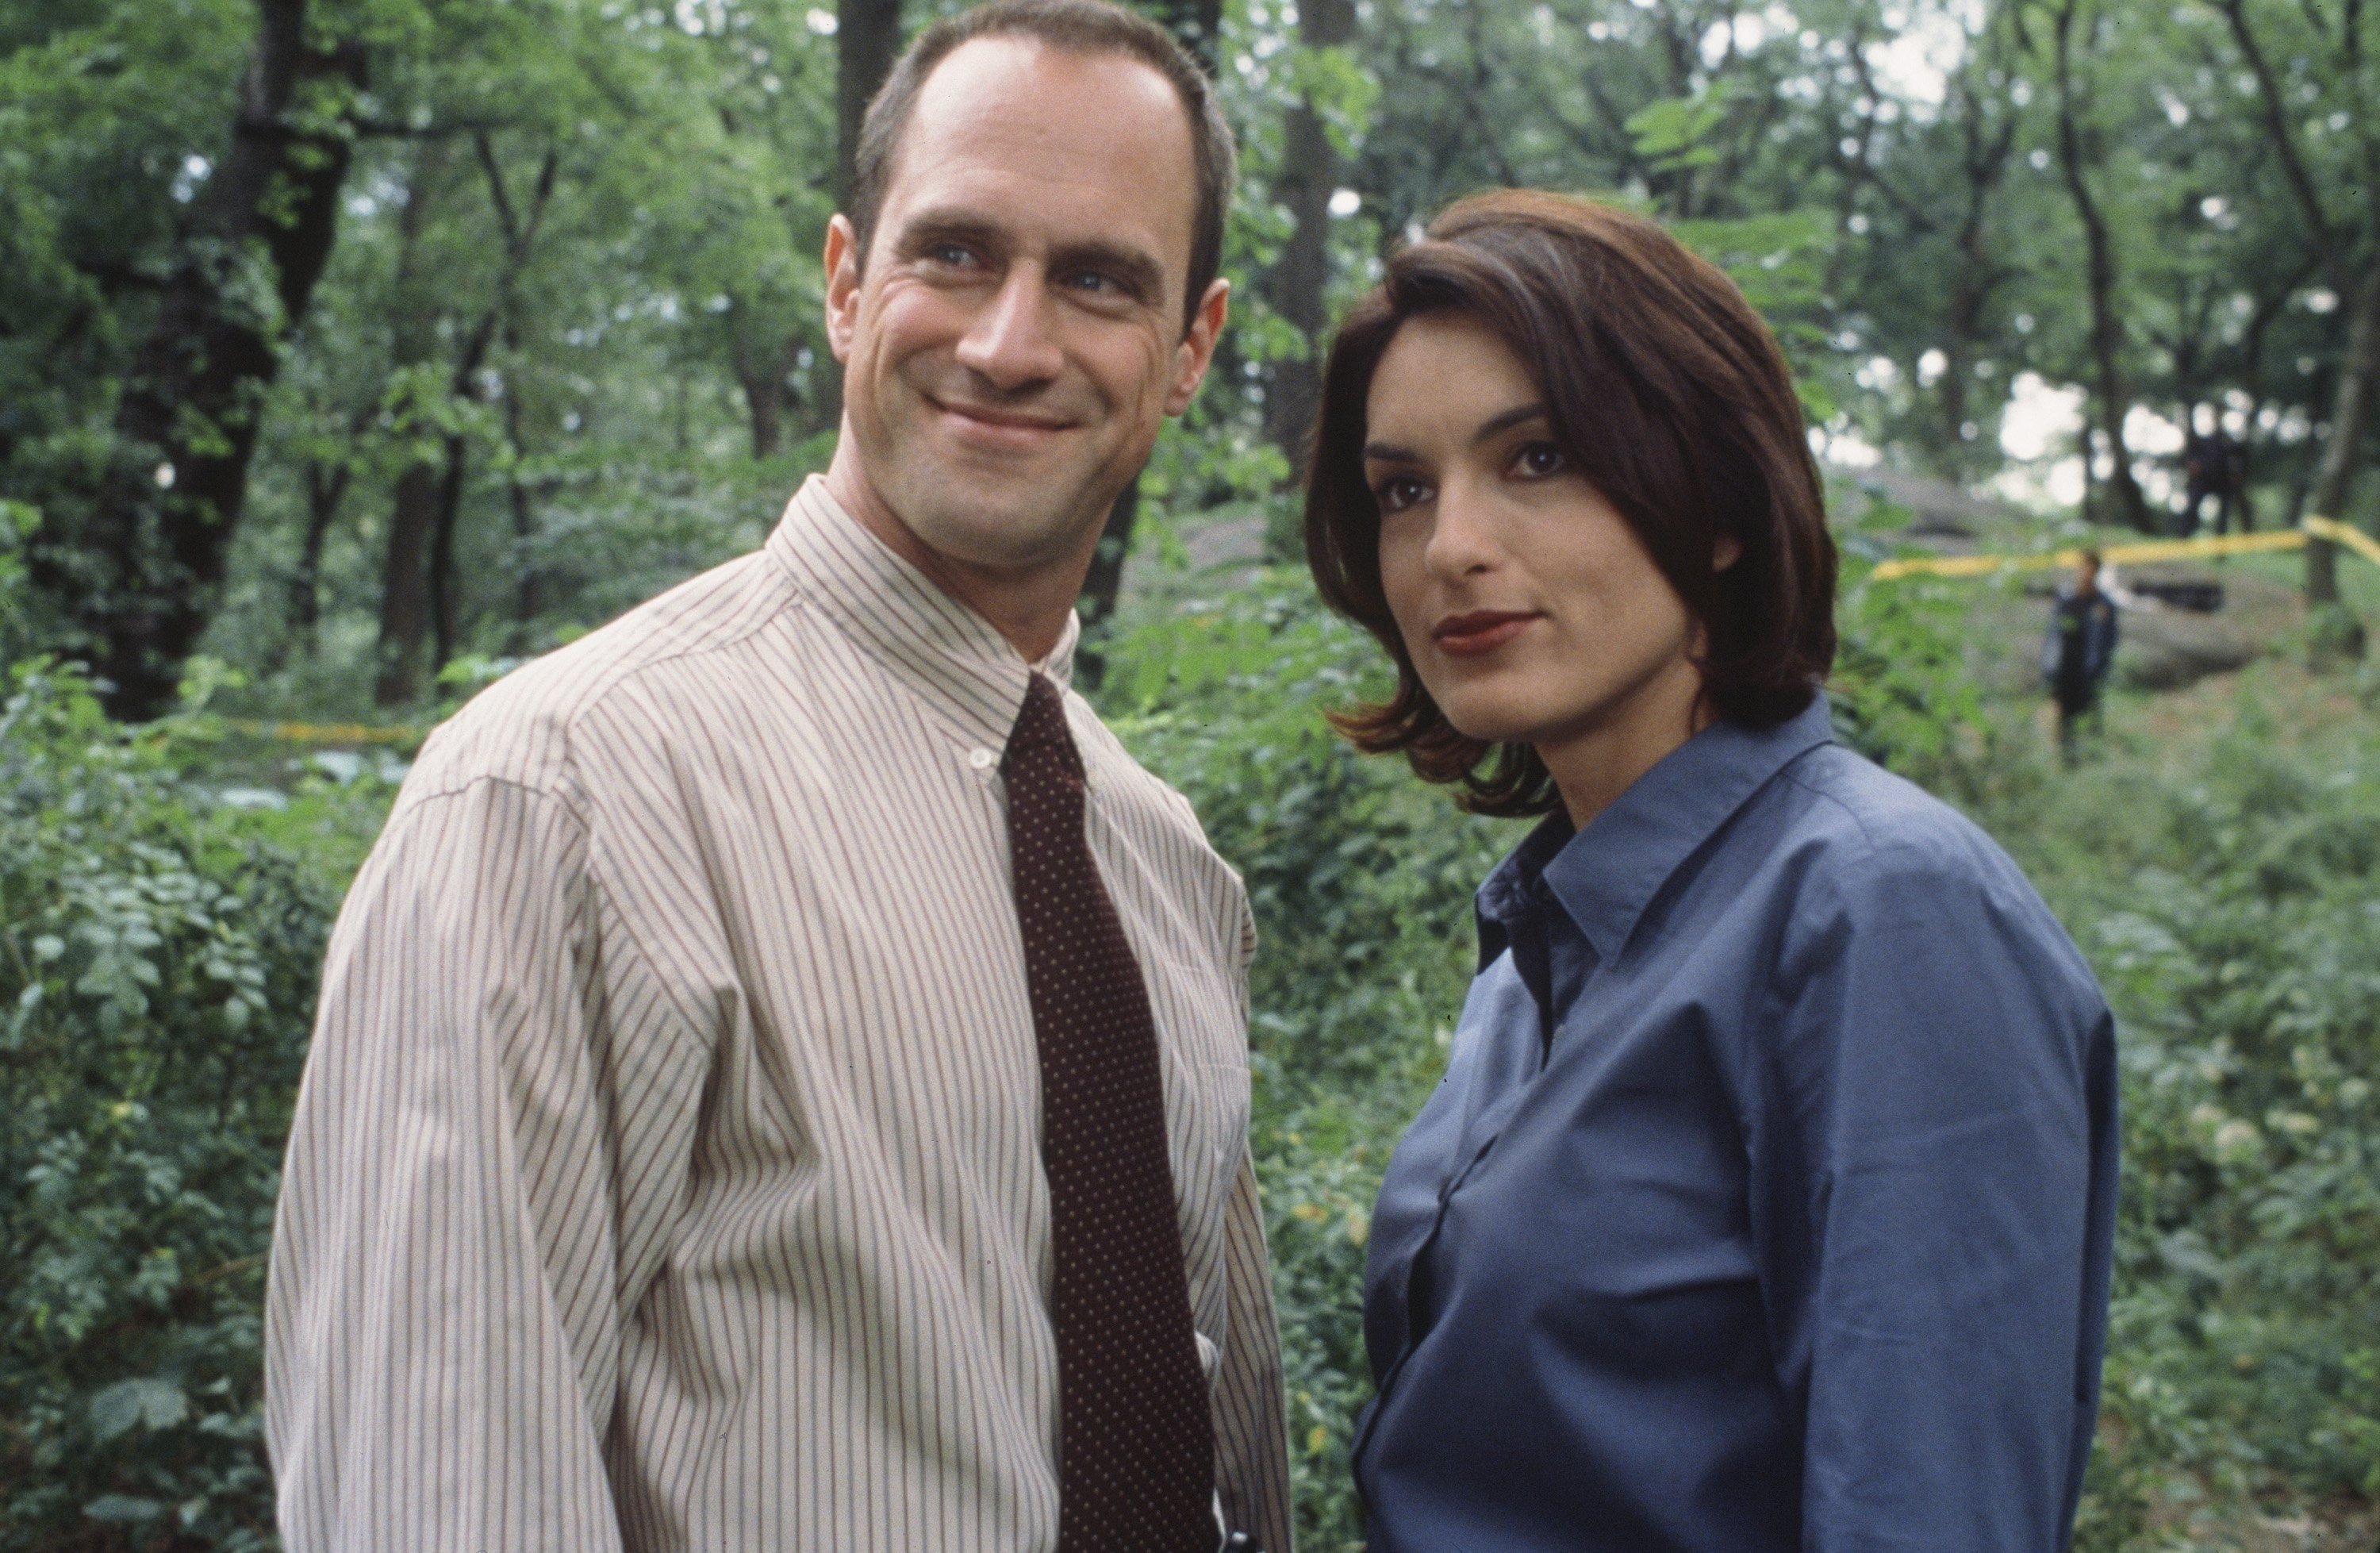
1766 1204
2078 651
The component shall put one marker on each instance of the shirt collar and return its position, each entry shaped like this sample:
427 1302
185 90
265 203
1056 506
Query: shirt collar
969 677
1605 875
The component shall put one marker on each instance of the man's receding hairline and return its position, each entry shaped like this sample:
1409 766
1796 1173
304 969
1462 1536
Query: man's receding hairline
1184 114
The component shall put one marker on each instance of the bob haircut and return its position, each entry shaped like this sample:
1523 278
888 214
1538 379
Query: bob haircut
1666 392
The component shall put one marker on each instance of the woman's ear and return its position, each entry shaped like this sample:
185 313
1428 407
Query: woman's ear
1726 553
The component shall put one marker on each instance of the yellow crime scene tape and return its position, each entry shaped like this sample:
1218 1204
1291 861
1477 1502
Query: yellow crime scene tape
2147 550
2330 529
324 733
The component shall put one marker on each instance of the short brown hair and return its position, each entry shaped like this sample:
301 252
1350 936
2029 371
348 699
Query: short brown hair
1091 26
1666 392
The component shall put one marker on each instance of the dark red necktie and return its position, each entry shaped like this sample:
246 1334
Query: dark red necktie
1135 1445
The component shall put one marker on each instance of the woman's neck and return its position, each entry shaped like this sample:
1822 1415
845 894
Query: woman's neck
1593 764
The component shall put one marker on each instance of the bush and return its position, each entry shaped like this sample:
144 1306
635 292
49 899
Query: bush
2235 921
157 970
2232 913
1361 881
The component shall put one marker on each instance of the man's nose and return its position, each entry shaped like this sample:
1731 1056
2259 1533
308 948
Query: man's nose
1012 342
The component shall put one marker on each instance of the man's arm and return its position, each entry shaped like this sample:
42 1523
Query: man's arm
481 1172
1250 1433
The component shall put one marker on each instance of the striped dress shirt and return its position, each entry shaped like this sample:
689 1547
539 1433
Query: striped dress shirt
666 1171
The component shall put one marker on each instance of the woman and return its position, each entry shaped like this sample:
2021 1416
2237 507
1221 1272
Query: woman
1766 1203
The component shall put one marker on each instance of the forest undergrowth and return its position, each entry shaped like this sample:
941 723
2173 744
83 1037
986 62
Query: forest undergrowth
164 894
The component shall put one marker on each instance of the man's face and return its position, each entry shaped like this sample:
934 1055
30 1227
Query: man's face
1018 338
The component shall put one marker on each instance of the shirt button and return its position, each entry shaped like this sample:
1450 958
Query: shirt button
981 759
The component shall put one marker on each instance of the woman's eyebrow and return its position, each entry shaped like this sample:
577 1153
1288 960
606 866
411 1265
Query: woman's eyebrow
1503 421
1519 415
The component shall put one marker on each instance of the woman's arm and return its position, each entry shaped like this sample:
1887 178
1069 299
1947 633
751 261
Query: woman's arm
1934 1184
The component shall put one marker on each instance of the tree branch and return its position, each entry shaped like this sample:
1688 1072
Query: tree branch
2285 144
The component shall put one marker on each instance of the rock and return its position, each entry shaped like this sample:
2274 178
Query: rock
2166 649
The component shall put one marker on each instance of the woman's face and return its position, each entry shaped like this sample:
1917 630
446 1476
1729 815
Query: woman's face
1532 612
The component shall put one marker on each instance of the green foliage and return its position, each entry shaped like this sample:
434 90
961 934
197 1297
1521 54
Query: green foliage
157 967
2230 912
2235 921
1361 881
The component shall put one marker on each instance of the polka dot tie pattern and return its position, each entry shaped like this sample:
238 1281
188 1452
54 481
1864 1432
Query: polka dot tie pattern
1137 1449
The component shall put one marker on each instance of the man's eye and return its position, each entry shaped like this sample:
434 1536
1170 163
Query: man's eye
1539 459
1095 283
1399 492
951 255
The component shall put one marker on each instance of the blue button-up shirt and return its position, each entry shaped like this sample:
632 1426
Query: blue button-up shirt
1766 1201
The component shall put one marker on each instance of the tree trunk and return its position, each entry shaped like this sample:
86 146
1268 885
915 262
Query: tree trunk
326 491
405 576
1197 25
768 396
419 590
404 583
2351 411
1103 584
2107 326
445 588
764 406
1309 172
187 426
867 41
529 591
528 587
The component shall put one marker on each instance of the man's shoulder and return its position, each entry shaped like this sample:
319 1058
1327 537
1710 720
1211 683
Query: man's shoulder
1120 775
1133 793
522 729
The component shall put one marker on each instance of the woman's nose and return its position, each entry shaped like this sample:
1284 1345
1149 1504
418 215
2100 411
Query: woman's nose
1461 540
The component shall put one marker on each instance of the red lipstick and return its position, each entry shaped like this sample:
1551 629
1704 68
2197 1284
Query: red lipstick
1479 632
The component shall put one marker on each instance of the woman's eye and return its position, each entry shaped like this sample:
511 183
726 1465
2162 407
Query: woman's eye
1539 459
1398 492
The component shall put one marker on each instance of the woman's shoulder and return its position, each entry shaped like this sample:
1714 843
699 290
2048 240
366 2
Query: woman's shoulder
1852 817
1867 849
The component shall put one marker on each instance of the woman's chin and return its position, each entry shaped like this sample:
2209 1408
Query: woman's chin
1491 721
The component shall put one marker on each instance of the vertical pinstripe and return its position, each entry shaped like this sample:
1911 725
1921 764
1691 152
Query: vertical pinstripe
666 1171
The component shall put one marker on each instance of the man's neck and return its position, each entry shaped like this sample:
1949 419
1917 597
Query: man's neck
1029 608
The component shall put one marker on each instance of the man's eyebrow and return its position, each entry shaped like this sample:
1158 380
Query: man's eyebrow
949 226
1135 267
1503 421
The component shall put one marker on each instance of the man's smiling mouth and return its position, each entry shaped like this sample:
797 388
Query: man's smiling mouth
994 425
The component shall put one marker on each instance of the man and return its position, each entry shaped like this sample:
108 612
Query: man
2078 651
2214 465
781 1082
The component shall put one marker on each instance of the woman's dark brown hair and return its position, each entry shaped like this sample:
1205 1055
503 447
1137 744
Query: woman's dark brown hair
1666 392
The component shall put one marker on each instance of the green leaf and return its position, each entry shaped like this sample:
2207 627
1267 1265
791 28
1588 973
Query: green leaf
122 1509
141 1403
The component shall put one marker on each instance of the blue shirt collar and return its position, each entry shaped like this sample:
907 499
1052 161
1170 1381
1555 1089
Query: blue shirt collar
1604 876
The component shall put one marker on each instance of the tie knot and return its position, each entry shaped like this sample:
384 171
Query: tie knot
1040 728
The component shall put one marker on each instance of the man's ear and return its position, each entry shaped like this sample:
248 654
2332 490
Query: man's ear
842 262
1198 347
